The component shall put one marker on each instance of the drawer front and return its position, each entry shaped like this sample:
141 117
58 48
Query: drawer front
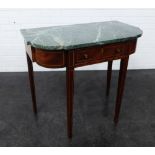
86 56
50 59
112 51
95 54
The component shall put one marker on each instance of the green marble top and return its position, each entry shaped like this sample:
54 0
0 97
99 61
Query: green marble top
80 35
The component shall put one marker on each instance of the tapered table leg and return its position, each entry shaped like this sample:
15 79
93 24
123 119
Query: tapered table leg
120 89
32 85
109 72
70 93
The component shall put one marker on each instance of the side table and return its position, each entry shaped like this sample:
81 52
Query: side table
73 46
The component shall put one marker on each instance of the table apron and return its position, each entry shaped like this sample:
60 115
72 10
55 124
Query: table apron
82 56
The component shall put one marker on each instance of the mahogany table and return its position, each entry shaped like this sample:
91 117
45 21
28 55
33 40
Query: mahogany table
79 45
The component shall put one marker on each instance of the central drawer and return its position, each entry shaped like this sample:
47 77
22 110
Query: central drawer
87 54
94 54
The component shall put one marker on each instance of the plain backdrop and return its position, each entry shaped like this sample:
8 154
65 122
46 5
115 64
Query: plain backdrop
12 50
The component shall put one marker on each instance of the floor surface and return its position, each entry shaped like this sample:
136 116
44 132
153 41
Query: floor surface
93 111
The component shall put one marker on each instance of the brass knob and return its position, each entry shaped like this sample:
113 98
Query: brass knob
86 56
118 50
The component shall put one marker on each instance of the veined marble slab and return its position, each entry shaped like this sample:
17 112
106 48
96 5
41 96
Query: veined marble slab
69 37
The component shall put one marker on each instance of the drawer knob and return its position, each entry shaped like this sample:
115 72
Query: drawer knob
85 56
118 50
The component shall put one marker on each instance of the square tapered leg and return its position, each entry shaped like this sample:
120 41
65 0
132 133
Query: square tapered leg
70 98
109 72
32 84
120 89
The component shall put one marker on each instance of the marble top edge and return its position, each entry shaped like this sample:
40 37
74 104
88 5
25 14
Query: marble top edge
82 45
72 36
